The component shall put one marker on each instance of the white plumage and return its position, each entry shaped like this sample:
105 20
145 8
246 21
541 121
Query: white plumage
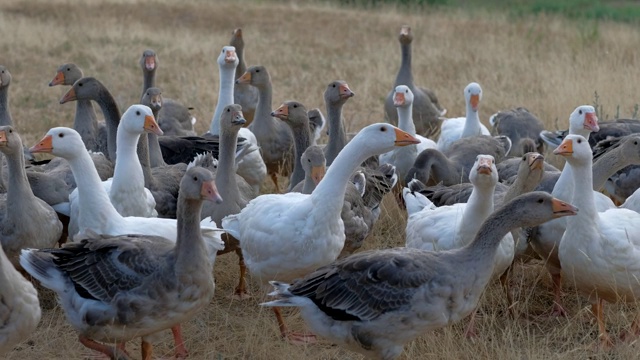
461 127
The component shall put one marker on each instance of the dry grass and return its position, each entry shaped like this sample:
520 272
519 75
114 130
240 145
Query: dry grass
545 64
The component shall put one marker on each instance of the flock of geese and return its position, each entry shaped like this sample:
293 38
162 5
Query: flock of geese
140 206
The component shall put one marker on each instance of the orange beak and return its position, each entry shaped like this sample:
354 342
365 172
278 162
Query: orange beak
150 125
58 80
209 191
230 56
44 146
244 79
474 101
345 92
398 99
561 208
591 122
281 113
565 148
484 166
404 138
317 173
69 96
150 63
3 138
536 161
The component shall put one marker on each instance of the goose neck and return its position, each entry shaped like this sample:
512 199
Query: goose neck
226 175
111 117
405 77
405 119
19 192
263 121
607 165
485 244
85 121
242 66
337 134
302 139
225 97
583 197
472 123
5 113
128 165
149 81
189 244
145 163
564 188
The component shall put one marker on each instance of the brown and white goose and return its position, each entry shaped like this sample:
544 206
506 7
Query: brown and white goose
376 301
243 94
426 109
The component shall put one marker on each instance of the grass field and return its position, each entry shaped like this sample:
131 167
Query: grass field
547 63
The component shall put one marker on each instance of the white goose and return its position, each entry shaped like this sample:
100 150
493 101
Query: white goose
251 167
19 306
97 214
461 127
289 235
404 157
599 251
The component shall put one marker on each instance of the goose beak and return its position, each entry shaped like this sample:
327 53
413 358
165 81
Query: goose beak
150 63
69 96
244 79
484 166
561 208
237 33
209 191
44 146
281 113
230 56
317 173
398 99
404 138
156 101
405 30
58 80
3 138
591 122
474 101
238 118
565 148
345 92
536 161
150 125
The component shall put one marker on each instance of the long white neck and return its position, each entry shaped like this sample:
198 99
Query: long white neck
95 206
477 210
405 119
472 124
583 197
225 97
564 188
128 170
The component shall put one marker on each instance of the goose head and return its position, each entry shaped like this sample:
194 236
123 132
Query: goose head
314 163
199 184
60 141
484 172
10 142
583 121
138 119
148 61
67 74
83 89
232 119
228 58
630 147
291 111
576 149
338 92
152 98
405 36
257 76
538 207
403 96
381 137
5 76
472 96
236 39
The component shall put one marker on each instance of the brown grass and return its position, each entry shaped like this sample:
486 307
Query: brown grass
545 64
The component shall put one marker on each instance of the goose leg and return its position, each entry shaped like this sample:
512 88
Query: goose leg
605 341
633 332
557 310
470 332
115 353
274 178
294 338
181 350
240 292
146 349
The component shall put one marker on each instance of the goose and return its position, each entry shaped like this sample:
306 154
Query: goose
376 301
294 114
508 169
274 137
243 94
126 189
174 118
25 220
335 96
403 158
85 121
608 129
237 192
599 250
96 213
252 168
464 127
19 306
108 286
426 109
314 165
615 166
452 167
544 240
521 126
296 233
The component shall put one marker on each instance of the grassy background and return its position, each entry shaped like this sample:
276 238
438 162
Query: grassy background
547 63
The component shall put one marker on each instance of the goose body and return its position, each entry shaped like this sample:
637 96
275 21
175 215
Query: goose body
463 127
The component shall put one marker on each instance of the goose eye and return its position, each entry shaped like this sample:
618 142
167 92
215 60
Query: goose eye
295 106
406 91
383 129
79 84
61 135
195 178
68 69
334 85
540 201
579 141
524 158
138 113
635 142
228 110
10 131
308 160
257 70
580 112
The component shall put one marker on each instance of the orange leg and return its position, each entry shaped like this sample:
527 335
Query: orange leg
274 178
146 349
118 352
470 332
598 311
181 350
633 332
557 310
240 292
294 338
